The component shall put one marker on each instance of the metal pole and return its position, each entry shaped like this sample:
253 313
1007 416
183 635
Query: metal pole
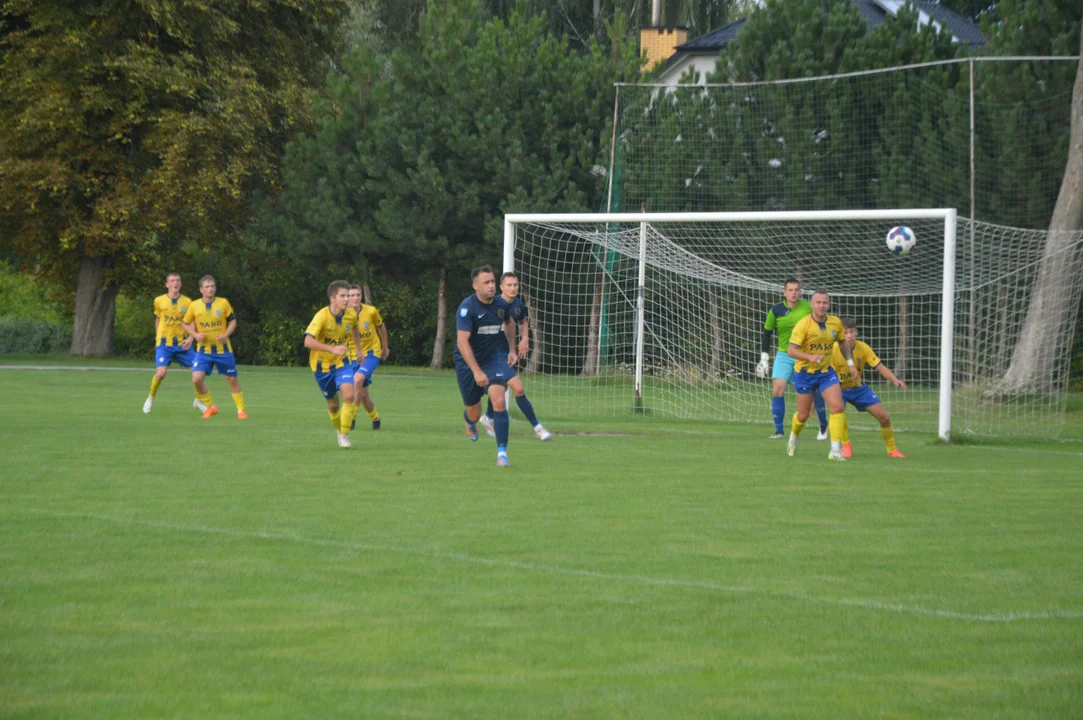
971 289
641 298
947 327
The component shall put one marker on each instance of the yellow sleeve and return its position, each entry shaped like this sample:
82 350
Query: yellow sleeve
377 319
867 354
315 328
190 315
227 311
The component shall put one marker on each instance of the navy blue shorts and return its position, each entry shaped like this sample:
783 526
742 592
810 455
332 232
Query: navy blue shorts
496 368
164 355
367 367
806 383
331 381
861 397
223 362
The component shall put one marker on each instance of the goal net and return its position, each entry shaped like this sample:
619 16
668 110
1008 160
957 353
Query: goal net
662 314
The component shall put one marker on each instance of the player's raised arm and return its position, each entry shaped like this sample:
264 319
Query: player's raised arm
885 372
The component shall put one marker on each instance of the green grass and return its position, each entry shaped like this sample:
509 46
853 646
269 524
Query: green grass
641 568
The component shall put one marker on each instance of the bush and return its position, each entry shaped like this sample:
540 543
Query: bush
133 329
33 336
280 340
22 297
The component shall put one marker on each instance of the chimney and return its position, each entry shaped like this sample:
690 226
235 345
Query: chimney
658 43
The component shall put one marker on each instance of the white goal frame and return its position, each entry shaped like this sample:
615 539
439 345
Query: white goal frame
948 215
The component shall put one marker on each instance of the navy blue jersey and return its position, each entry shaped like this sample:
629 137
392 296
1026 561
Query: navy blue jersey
485 323
518 312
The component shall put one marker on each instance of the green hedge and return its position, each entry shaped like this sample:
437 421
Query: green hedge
28 335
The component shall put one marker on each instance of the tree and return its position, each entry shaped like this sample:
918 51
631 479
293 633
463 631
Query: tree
418 156
1049 320
130 129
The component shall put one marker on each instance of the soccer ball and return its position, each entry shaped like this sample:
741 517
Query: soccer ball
900 240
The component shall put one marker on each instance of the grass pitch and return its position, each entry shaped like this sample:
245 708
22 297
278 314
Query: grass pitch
162 565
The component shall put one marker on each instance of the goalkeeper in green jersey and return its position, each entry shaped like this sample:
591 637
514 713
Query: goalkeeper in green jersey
783 317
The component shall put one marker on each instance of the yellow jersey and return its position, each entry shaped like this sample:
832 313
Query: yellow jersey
211 319
863 357
816 339
170 314
331 329
368 320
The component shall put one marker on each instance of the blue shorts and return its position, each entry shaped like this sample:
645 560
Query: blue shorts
367 367
164 355
331 381
806 383
223 362
783 367
496 368
861 397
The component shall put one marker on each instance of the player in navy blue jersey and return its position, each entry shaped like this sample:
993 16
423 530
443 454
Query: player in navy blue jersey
482 366
509 293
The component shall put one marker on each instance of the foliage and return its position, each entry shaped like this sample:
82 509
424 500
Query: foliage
33 335
132 130
22 297
134 327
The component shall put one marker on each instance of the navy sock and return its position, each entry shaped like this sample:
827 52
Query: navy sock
500 426
467 419
821 411
526 408
489 410
778 412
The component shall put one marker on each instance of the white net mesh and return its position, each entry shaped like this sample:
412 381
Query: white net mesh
709 286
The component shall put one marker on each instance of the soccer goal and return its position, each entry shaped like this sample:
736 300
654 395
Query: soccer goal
662 313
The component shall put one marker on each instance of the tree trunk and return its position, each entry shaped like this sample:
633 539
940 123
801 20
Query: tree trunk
95 309
594 330
441 323
1049 320
366 294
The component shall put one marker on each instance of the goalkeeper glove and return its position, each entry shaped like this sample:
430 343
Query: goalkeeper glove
763 368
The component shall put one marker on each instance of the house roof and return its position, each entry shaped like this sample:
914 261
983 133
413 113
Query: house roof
872 11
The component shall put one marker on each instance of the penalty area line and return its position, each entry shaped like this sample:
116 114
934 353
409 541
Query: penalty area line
899 608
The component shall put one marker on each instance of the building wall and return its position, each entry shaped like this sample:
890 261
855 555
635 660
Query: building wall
703 64
658 43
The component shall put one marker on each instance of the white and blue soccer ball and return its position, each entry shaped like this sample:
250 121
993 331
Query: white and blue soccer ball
900 240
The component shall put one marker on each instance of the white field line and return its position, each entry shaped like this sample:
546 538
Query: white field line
77 367
1012 616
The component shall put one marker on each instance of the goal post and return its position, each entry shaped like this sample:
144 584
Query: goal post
680 300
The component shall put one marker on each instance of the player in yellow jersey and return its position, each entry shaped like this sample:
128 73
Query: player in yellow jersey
332 329
812 343
374 349
211 322
856 392
170 340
